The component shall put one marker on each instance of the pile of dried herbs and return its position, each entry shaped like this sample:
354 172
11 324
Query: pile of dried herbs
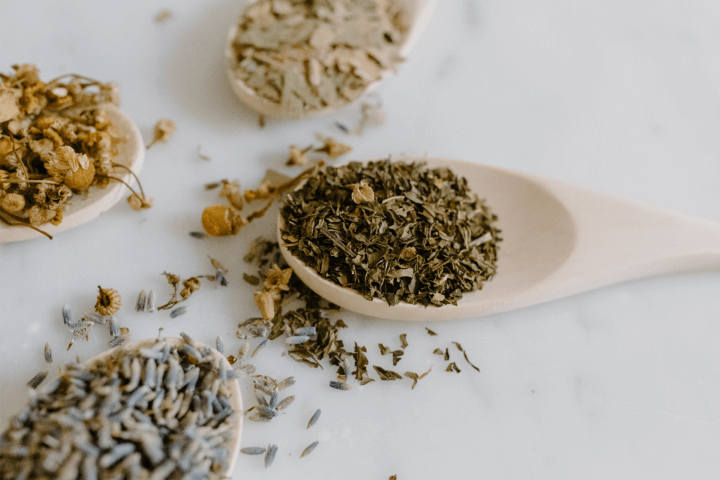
393 230
308 55
56 140
155 413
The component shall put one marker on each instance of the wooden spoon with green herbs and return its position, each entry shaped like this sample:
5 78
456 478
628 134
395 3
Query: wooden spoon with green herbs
557 240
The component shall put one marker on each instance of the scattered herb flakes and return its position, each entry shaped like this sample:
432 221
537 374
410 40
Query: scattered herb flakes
305 56
465 355
361 362
200 155
423 239
251 279
387 374
198 235
212 186
397 354
430 332
383 349
163 16
333 149
403 340
447 354
415 377
438 351
452 367
394 477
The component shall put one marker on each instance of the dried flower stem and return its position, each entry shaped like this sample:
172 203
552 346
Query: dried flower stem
133 174
50 182
21 223
278 190
142 198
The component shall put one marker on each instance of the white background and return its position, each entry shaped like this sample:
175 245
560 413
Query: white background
621 96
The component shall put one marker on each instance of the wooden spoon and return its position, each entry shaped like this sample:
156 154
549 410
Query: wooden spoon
558 240
233 386
85 207
419 13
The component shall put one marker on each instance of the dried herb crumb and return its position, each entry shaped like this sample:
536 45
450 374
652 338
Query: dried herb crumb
430 332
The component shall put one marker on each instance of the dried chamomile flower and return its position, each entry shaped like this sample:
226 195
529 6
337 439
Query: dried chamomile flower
362 192
8 104
137 203
63 160
163 131
231 191
277 278
3 180
108 301
266 303
12 203
334 149
221 220
38 215
297 156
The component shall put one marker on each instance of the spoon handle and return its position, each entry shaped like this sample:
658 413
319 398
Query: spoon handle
619 239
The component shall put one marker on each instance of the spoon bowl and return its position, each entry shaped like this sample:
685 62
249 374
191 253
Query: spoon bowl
233 386
558 239
87 206
419 13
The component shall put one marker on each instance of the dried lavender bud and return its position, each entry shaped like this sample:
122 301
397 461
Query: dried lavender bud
37 379
142 298
114 328
309 449
258 330
297 339
67 315
285 402
178 311
150 303
48 353
307 331
315 418
200 235
253 450
288 382
259 348
270 455
340 385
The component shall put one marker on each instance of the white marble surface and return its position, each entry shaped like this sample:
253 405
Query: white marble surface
623 97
